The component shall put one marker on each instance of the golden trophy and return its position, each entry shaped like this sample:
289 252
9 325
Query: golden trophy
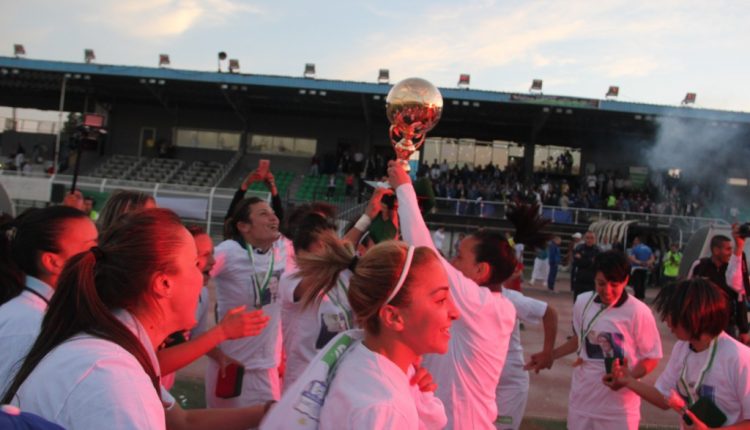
413 107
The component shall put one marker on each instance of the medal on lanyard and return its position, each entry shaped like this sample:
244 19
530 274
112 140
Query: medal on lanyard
339 303
260 287
692 391
585 331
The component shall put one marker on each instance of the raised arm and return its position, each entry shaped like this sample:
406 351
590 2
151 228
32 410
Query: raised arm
236 324
413 228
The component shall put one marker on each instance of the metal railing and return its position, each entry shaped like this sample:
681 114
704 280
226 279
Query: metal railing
560 215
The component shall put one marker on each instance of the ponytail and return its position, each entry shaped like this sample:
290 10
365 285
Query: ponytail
95 283
321 269
374 277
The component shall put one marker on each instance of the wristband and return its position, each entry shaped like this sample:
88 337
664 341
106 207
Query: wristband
363 223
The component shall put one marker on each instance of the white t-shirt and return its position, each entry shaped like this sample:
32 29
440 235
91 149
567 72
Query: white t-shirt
201 314
629 331
91 383
234 273
20 321
306 331
727 382
468 374
370 392
530 311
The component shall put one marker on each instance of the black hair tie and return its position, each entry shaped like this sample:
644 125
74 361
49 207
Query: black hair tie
353 263
98 253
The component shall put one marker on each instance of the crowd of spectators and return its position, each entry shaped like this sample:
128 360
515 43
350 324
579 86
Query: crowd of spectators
609 190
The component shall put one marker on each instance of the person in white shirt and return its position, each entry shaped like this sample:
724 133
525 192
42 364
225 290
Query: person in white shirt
468 375
513 390
93 364
361 380
608 324
237 323
33 251
249 264
707 370
309 323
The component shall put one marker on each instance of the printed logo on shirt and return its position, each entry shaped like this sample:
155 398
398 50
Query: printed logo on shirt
311 400
601 345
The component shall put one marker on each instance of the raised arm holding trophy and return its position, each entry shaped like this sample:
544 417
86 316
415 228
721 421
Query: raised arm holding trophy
413 107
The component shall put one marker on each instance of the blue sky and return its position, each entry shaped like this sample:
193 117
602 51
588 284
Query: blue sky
656 51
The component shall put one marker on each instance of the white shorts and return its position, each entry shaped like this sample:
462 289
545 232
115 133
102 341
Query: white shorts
258 386
511 405
577 421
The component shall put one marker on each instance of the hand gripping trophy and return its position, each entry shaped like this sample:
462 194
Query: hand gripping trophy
413 107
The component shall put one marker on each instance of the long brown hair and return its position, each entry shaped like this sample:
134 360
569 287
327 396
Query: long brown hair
95 283
24 239
120 203
373 278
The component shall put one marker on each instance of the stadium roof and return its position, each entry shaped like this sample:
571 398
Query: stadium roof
168 74
484 115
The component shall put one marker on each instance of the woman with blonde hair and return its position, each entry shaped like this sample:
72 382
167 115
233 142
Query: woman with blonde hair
401 300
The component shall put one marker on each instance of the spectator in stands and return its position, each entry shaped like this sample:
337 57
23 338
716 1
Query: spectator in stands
250 179
553 250
248 267
120 203
708 373
314 166
602 318
88 208
33 251
583 265
479 340
349 184
715 269
672 260
331 187
642 261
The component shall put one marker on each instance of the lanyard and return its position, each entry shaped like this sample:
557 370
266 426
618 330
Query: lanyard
339 303
260 287
692 395
585 332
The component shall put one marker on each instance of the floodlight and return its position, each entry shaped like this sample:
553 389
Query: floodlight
536 86
613 91
689 99
88 55
463 80
234 65
163 60
384 76
18 50
309 71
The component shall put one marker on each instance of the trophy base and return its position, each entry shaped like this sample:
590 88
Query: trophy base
404 165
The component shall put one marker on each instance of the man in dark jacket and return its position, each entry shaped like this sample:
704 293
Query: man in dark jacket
715 268
583 264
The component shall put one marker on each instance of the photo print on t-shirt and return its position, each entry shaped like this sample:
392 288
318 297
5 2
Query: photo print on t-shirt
605 345
271 294
331 324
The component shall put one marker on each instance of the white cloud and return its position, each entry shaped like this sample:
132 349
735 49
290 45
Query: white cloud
166 18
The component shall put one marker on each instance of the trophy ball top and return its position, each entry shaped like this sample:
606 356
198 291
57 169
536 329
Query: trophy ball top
414 100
